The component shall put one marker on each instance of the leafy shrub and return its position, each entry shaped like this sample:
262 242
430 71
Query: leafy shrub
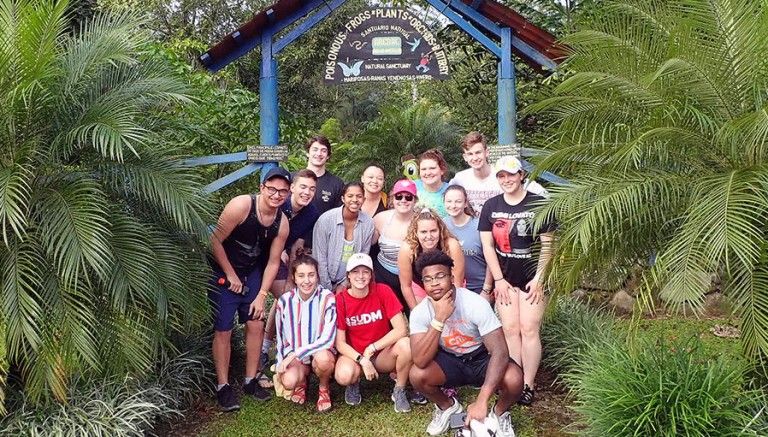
662 388
570 329
114 407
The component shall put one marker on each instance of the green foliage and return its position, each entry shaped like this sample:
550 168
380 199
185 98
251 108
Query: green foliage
99 218
3 368
666 389
398 132
112 407
570 329
661 131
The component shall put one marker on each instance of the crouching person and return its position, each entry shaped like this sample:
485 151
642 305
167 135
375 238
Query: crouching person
305 322
457 340
372 334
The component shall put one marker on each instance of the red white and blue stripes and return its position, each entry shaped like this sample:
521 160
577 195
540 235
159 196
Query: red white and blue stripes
305 327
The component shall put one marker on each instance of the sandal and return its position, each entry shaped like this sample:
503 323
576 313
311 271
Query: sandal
299 395
526 397
264 381
323 400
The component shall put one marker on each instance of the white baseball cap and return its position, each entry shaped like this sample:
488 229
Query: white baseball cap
359 259
509 164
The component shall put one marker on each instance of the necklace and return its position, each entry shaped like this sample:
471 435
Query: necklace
258 217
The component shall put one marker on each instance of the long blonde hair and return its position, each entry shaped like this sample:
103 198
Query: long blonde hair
412 239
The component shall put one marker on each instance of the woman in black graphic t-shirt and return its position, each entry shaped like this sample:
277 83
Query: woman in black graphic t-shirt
517 262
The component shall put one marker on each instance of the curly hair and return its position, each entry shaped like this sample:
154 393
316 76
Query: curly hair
433 258
412 239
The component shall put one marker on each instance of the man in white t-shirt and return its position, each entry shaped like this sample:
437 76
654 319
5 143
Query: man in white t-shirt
479 180
456 340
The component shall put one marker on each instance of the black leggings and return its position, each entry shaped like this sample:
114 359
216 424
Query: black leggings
385 276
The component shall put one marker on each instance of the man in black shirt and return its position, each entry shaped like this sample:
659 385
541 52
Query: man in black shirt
329 186
246 245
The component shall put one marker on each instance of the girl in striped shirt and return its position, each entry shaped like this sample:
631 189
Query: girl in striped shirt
306 330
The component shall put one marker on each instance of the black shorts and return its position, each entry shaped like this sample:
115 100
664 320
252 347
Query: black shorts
282 272
467 369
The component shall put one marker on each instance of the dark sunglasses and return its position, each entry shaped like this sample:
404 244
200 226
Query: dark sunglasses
401 196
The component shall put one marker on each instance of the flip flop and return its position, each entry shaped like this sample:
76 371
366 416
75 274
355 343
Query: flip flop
323 400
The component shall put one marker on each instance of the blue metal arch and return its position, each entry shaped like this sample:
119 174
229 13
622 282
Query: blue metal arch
466 17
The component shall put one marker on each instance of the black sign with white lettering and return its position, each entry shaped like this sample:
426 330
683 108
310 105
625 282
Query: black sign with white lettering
384 44
277 153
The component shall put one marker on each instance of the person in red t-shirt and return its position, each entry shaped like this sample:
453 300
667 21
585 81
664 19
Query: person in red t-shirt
372 334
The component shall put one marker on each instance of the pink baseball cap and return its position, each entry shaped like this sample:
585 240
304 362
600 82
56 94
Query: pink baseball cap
404 186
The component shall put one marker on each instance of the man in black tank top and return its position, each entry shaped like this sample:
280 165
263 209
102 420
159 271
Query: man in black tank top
246 245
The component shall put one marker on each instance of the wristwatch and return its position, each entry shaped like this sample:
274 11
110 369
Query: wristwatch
359 358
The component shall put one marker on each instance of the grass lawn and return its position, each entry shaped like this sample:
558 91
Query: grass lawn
374 417
671 329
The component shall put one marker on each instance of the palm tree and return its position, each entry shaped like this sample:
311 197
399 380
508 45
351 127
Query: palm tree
98 220
402 131
662 127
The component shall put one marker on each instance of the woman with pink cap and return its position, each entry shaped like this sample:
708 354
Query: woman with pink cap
392 226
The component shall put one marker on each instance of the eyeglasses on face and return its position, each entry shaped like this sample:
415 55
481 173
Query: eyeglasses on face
271 191
437 278
407 197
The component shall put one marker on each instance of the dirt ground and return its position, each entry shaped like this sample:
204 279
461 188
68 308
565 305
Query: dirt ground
552 416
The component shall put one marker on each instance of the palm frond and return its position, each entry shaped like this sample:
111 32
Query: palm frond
72 215
104 42
673 90
22 280
14 201
164 186
748 289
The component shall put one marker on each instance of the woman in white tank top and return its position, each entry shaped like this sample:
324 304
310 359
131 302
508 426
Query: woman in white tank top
392 226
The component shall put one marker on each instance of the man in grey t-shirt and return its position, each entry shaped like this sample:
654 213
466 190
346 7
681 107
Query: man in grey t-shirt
457 340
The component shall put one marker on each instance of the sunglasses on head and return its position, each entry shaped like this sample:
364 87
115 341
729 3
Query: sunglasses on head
401 196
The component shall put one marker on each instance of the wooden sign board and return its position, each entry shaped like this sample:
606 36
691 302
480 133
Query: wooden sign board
276 153
496 151
385 45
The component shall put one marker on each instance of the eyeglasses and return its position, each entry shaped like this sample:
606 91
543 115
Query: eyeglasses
407 197
271 191
430 279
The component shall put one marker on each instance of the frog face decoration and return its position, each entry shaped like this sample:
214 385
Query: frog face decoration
410 167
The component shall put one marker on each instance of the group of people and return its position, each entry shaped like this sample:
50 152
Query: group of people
403 283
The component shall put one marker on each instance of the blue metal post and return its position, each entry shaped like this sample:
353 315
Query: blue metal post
270 129
507 112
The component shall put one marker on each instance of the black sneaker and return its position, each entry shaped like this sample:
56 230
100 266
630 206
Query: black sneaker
227 399
254 389
526 398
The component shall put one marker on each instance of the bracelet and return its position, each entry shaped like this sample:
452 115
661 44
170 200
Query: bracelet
497 280
264 292
375 349
486 290
437 325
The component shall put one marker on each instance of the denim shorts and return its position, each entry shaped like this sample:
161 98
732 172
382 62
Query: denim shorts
225 303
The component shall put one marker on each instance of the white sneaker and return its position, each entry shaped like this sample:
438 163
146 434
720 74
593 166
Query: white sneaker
441 418
502 423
